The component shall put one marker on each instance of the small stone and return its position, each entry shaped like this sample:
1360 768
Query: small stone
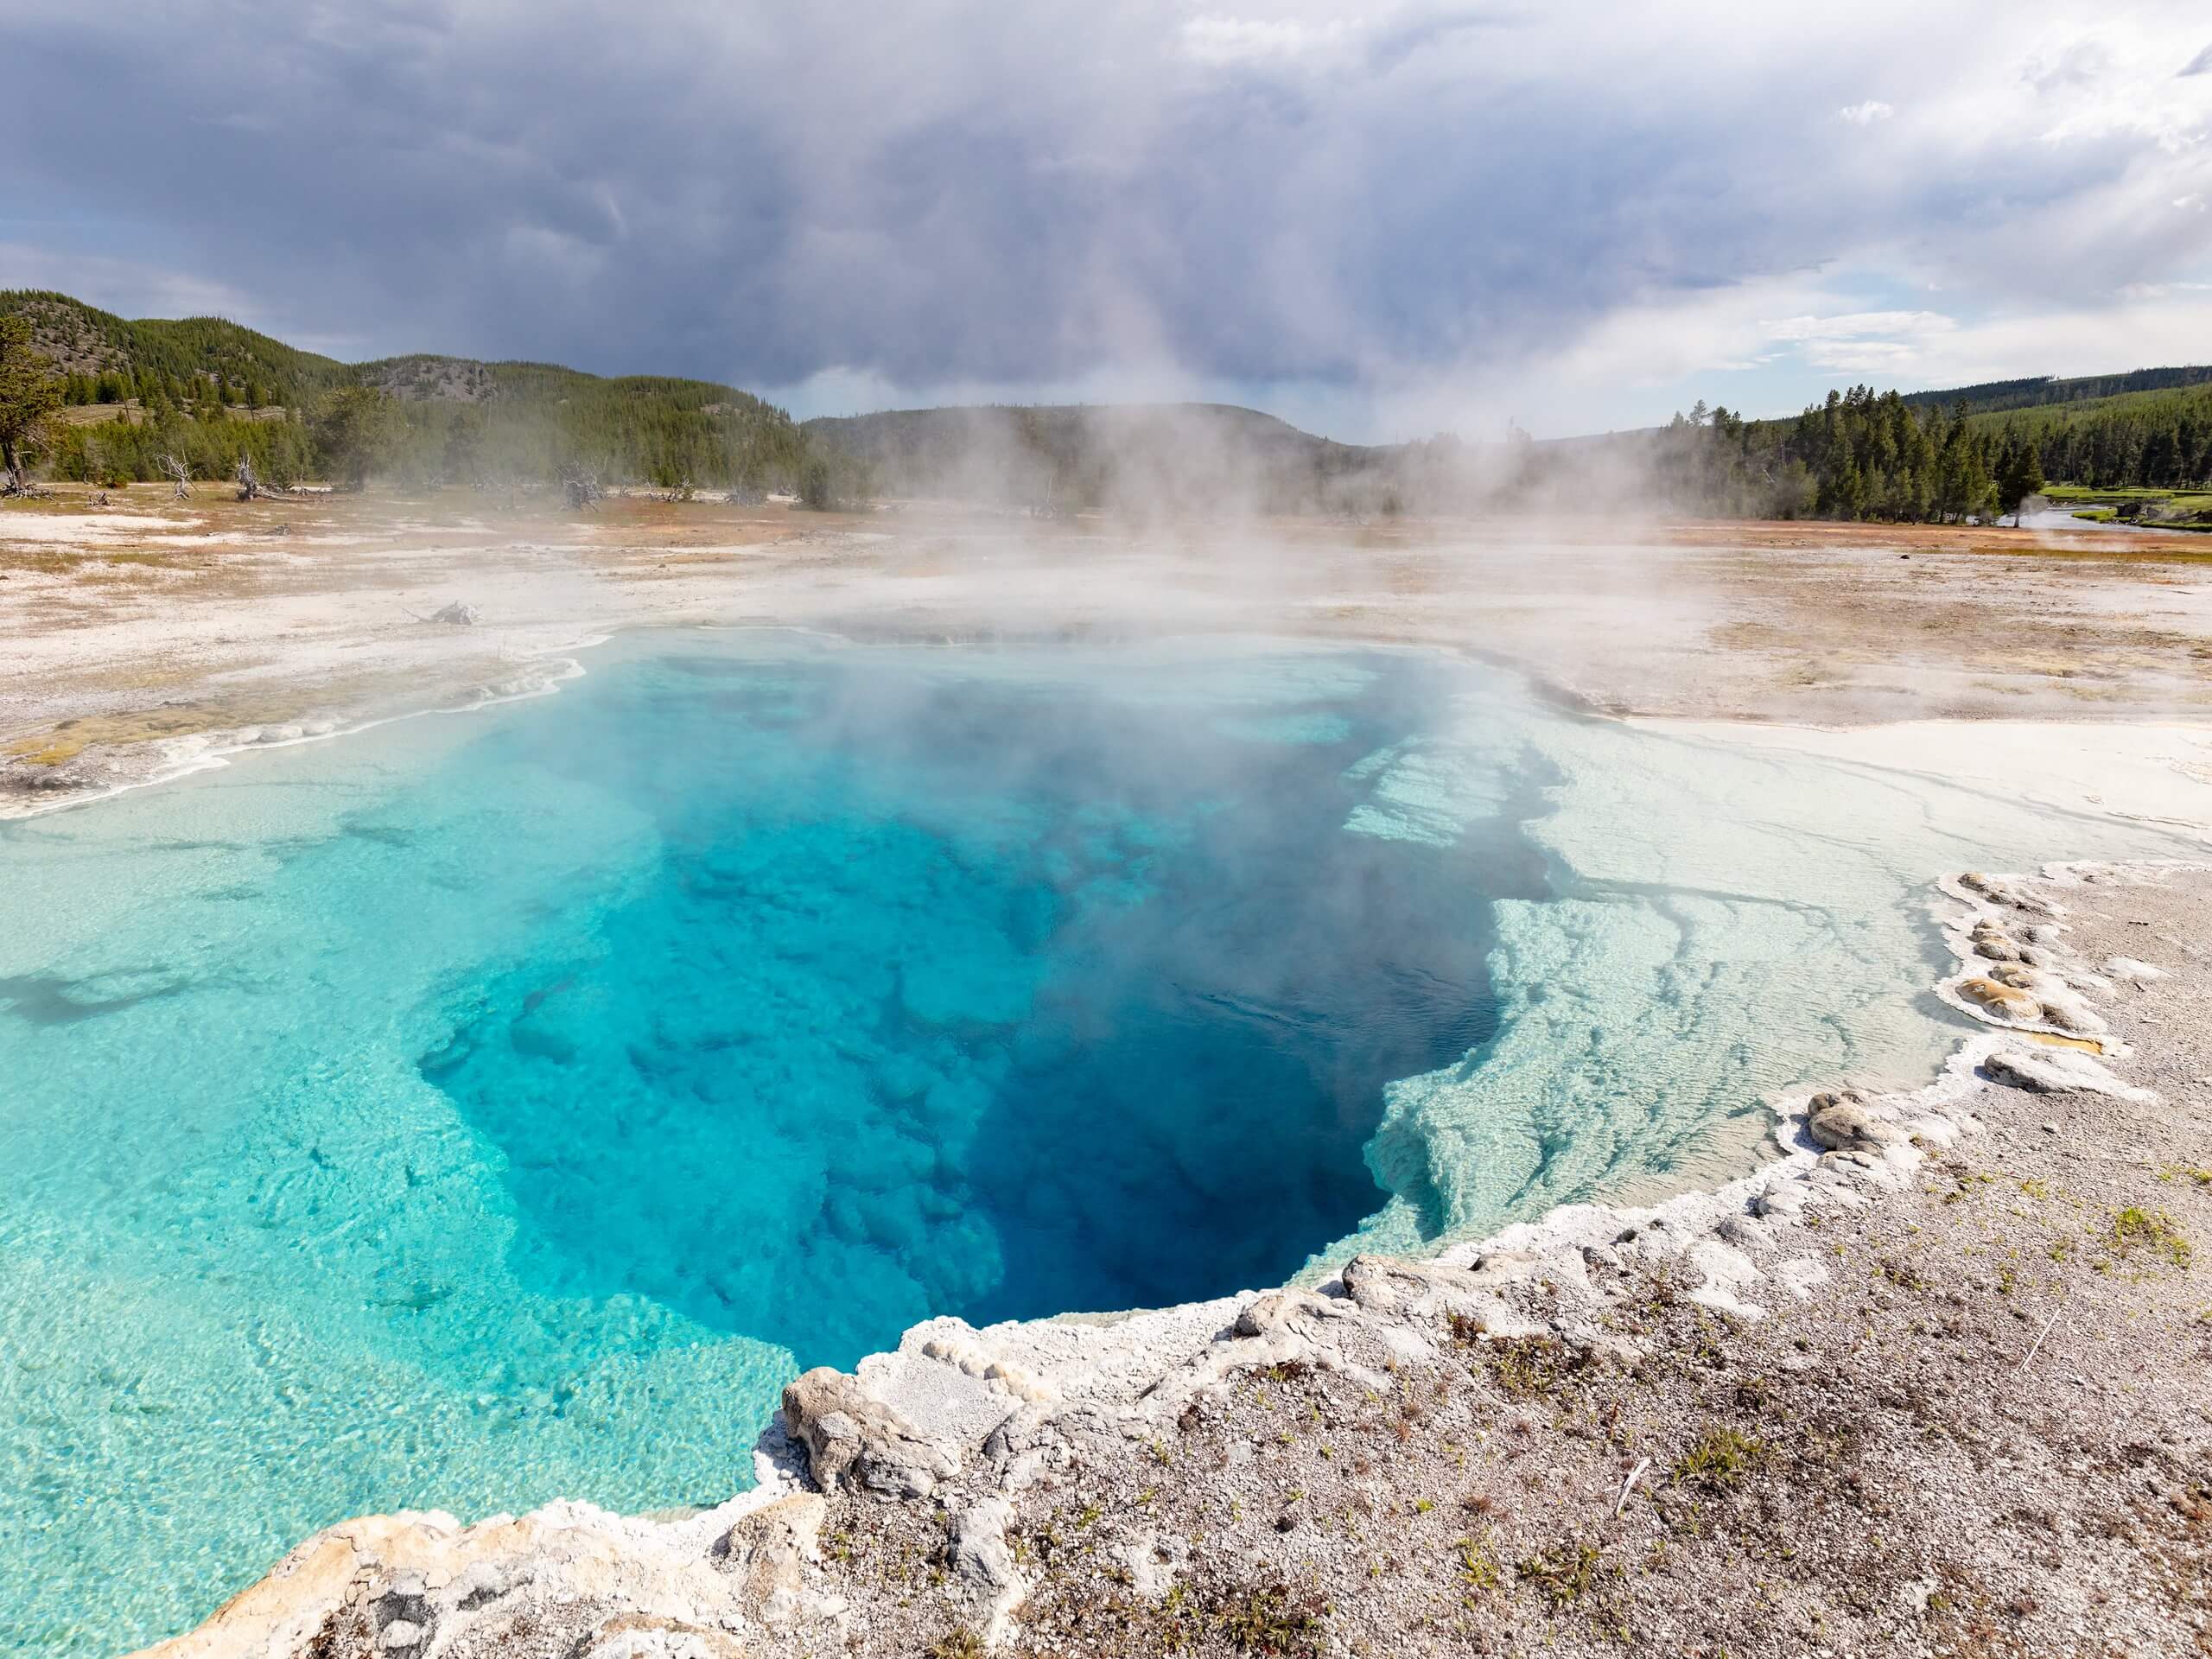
2048 1129
1845 1125
851 1436
401 1633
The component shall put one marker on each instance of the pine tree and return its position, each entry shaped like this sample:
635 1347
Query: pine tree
29 391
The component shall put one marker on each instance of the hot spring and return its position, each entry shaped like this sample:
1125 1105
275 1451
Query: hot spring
487 1109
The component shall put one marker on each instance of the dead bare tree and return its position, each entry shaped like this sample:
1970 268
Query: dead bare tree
251 488
179 475
501 484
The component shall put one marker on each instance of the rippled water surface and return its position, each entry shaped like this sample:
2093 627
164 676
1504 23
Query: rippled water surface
490 1108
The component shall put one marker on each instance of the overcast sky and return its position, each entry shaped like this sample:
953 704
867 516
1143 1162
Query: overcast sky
1377 221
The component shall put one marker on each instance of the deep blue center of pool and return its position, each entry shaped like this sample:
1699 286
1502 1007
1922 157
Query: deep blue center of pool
948 993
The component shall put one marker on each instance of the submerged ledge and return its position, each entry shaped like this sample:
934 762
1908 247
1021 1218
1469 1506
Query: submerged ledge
1747 1371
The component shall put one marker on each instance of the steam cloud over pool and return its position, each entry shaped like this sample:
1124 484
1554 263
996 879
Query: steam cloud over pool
480 1111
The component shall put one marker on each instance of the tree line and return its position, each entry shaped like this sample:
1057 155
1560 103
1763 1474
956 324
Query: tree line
1861 455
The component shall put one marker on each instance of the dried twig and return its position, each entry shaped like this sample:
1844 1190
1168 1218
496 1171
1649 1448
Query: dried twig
1629 1486
2037 1343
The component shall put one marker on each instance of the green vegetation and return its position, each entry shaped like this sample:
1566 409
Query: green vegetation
1719 1459
2001 397
1056 459
354 431
2135 1227
106 358
830 481
1860 454
1564 1574
2134 446
959 1642
1271 1620
210 391
28 394
1478 1566
1887 456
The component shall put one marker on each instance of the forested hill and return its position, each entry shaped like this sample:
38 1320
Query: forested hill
210 391
1882 455
1080 457
1858 455
108 358
1996 396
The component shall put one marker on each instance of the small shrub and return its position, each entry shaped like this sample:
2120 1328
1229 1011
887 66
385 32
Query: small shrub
1527 1368
1270 1620
1564 1574
2133 1226
1902 1273
1720 1458
1478 1566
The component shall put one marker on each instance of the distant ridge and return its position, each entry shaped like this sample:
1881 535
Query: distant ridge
174 386
1998 396
1072 456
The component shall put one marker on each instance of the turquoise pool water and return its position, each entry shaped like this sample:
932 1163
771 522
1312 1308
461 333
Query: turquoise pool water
489 1109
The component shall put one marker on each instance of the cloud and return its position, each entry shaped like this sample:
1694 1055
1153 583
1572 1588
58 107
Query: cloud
1869 342
1858 324
2201 64
1215 40
1409 207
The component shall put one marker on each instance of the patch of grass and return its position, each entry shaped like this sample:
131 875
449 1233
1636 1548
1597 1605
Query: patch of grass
1527 1368
1269 1619
1564 1573
2134 1226
959 1642
1477 1565
1719 1457
1900 1273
